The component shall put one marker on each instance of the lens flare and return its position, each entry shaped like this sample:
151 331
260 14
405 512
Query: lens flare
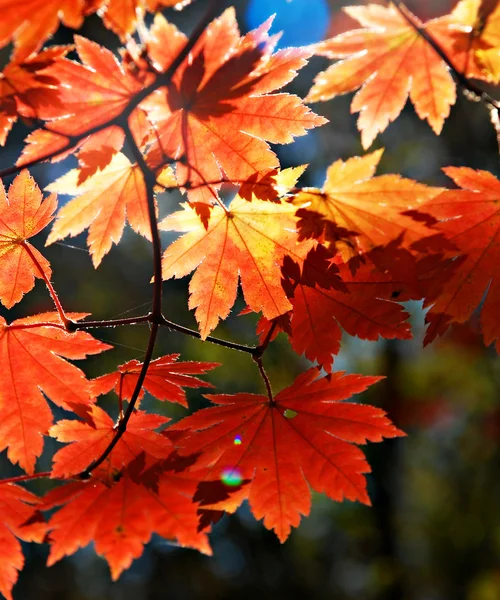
237 440
231 477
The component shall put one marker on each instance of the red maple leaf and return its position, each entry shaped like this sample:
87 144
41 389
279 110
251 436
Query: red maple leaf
164 379
23 214
121 517
219 113
305 434
19 520
88 440
470 219
32 352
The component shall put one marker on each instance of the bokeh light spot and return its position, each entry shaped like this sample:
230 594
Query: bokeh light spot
231 477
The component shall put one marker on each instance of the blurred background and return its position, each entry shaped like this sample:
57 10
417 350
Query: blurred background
433 532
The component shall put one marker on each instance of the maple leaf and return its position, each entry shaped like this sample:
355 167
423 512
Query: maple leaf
248 240
30 22
305 435
164 379
23 86
220 101
88 440
389 60
362 307
19 520
366 211
470 36
121 517
32 352
103 203
23 214
90 94
470 218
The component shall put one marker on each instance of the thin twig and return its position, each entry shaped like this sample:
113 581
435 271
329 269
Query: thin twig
26 477
112 322
62 315
253 350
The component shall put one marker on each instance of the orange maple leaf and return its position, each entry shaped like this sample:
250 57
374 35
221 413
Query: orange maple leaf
389 60
103 203
164 379
90 94
23 214
370 209
19 520
219 113
470 218
23 87
120 518
248 240
30 22
88 440
32 352
305 435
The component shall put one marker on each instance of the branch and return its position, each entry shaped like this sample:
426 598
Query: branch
253 350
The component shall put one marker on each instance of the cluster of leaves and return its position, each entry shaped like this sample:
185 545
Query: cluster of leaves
194 114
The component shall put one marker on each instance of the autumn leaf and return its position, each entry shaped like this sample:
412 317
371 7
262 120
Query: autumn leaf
90 94
219 113
165 379
120 518
104 202
367 209
19 520
306 435
388 60
24 85
88 440
23 214
470 36
362 308
248 240
33 352
470 218
30 22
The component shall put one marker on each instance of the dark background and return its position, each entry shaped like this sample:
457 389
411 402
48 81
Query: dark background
433 532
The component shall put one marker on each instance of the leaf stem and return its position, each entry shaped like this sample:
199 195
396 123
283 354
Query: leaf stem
62 315
20 478
267 382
